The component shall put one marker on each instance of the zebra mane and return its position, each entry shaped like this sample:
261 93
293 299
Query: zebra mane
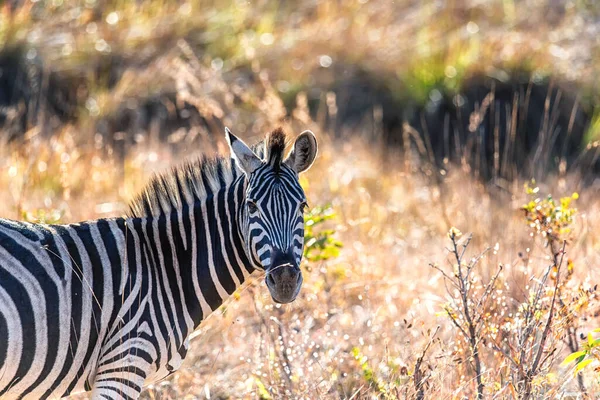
275 147
197 180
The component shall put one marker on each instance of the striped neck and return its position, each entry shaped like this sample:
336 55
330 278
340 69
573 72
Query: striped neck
198 254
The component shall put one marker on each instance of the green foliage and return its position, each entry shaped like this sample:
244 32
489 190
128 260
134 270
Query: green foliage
369 374
593 132
547 217
42 216
263 393
589 354
320 243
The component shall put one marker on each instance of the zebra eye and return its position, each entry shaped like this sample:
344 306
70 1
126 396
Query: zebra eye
252 207
303 207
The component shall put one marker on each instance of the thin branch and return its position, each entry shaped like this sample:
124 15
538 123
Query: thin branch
418 378
546 331
487 291
460 328
448 277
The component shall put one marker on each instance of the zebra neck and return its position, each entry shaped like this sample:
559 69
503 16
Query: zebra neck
198 254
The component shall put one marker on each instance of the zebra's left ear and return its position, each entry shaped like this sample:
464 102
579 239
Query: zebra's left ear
304 152
245 158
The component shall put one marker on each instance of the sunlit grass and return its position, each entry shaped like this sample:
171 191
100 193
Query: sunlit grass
377 301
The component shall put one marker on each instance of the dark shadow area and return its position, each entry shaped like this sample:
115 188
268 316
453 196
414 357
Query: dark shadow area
499 129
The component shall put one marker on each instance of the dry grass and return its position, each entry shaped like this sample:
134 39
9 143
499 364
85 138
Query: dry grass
370 323
378 302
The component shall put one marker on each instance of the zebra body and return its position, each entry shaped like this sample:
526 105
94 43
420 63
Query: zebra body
108 305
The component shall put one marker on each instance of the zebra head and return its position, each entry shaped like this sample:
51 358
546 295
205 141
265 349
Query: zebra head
272 215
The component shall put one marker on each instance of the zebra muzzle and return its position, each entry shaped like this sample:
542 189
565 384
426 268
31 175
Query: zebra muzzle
284 278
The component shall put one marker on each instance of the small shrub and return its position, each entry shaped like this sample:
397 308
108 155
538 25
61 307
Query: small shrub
469 308
523 342
319 242
547 217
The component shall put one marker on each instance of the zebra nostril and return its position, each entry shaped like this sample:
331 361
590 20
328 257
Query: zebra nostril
270 279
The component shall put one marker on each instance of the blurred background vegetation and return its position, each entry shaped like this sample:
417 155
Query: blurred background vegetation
430 114
487 83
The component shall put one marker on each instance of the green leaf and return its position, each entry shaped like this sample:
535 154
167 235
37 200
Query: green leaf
583 364
263 393
320 244
571 357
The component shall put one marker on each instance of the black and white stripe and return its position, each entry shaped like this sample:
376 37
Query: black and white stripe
108 305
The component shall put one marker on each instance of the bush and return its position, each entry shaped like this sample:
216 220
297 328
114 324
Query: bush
524 341
319 242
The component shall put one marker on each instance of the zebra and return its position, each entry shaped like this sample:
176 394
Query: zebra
107 306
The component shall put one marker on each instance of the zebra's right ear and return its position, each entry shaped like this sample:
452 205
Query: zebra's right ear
243 155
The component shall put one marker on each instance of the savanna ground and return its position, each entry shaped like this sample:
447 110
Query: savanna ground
98 95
